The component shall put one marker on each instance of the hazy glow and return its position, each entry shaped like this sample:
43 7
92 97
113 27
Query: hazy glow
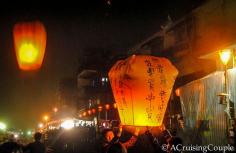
16 136
3 126
28 53
40 125
107 106
68 124
225 56
45 117
29 133
55 109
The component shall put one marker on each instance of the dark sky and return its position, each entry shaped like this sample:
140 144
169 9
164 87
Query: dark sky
71 29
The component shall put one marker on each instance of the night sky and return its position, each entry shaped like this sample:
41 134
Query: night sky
71 29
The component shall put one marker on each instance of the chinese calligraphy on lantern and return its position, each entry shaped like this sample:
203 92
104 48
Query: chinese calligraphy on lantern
141 87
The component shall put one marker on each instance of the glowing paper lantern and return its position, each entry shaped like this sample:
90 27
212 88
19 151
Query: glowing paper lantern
141 87
107 106
89 112
114 105
30 44
99 108
93 111
177 92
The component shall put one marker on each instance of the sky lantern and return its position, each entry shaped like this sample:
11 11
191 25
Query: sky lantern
141 87
30 43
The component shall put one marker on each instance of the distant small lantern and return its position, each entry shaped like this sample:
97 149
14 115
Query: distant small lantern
114 105
99 108
107 106
177 92
30 43
89 112
93 110
55 109
84 114
141 87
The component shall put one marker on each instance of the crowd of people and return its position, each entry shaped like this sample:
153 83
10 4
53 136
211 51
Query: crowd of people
13 147
115 140
140 143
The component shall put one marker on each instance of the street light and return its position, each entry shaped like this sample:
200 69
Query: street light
3 126
45 118
29 133
107 106
40 125
225 56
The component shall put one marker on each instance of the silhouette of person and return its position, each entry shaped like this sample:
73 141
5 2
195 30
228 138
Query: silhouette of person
37 146
10 146
116 148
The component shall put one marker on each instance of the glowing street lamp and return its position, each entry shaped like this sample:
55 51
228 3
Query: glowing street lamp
107 106
29 133
45 118
225 56
40 125
16 136
3 126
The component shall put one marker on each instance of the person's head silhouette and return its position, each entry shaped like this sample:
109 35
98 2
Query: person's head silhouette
37 136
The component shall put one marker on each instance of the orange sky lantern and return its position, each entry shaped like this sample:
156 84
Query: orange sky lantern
141 87
30 43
